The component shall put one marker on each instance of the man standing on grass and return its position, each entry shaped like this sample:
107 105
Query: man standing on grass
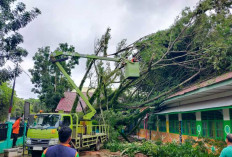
63 149
227 152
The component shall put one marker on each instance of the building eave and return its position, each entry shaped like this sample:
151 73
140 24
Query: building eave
215 89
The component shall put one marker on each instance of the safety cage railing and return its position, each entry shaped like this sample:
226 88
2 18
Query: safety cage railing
91 130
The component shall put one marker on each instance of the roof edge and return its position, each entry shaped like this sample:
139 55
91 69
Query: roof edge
202 89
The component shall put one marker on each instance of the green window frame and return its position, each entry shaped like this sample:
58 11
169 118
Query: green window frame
213 129
230 111
189 127
212 124
189 124
162 126
141 125
162 123
212 115
152 122
173 123
174 126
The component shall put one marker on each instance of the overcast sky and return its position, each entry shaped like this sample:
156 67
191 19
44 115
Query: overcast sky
81 22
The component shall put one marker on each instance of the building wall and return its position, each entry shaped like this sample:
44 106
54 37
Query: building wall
214 124
163 136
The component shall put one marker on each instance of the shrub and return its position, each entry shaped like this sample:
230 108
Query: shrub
150 148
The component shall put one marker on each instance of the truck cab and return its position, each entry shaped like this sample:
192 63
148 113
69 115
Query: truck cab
43 131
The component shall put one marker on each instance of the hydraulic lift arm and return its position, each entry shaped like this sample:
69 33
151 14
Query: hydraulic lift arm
60 53
53 56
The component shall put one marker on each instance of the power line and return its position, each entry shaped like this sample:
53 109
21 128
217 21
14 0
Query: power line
22 69
25 72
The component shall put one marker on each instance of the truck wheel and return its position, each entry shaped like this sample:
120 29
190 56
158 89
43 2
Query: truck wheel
98 145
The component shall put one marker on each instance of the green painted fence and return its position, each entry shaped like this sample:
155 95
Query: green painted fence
6 144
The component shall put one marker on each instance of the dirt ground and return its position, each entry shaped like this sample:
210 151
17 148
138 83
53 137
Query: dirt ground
100 153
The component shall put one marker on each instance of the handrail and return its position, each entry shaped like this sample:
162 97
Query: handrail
104 128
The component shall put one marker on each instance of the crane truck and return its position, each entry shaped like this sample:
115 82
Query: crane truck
43 132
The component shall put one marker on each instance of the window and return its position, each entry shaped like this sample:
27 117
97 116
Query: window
212 124
162 123
152 122
204 129
189 124
219 129
141 125
189 127
230 113
230 110
45 121
174 126
66 120
212 115
173 123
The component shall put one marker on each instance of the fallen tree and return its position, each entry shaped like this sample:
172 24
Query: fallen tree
194 48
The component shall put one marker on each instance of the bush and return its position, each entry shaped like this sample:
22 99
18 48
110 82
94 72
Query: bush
150 148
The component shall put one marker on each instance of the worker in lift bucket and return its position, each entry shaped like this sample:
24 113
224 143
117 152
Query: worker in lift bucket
134 59
63 149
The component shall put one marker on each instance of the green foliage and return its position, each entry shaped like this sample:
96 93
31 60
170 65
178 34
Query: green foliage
199 40
12 19
18 103
36 105
219 144
150 148
111 119
48 81
5 96
197 46
18 107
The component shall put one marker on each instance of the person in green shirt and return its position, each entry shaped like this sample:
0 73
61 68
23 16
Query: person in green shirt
227 152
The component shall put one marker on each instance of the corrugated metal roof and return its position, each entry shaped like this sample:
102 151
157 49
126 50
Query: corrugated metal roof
67 102
205 105
204 84
198 96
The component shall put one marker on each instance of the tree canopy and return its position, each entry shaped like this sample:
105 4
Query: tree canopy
5 95
49 83
12 19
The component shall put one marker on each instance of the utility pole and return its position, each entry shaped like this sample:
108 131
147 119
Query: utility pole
12 94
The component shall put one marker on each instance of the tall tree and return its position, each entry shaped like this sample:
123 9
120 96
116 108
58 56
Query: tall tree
5 95
18 108
49 82
35 105
11 20
197 46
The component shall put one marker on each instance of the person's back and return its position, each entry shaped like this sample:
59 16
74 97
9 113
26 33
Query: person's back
227 152
63 149
60 150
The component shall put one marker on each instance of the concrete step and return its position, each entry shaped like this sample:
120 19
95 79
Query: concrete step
13 152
